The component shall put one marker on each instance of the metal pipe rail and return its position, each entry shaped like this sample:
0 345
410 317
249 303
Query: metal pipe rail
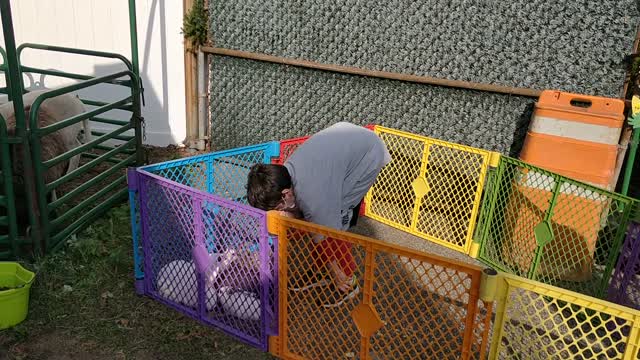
29 138
130 65
102 103
83 169
103 176
7 199
16 88
66 75
84 52
86 206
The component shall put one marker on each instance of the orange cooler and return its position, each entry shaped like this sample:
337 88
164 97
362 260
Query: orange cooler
576 136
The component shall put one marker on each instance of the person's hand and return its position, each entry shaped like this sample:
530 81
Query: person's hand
290 214
340 278
286 214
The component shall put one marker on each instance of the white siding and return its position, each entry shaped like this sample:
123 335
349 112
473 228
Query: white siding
104 25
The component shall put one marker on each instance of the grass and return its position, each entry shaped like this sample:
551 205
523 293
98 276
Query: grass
83 305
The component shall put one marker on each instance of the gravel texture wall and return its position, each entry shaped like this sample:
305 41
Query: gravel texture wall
569 45
255 101
575 45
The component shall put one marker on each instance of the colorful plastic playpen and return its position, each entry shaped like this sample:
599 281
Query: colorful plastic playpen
554 241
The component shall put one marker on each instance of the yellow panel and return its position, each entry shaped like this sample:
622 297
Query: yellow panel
431 188
539 321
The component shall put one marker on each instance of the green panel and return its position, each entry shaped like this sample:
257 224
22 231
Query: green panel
550 228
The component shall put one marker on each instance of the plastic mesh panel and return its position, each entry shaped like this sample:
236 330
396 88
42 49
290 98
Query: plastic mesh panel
230 174
482 331
391 199
410 305
625 283
236 292
134 206
236 236
223 173
543 226
544 322
425 307
287 147
431 188
193 172
168 240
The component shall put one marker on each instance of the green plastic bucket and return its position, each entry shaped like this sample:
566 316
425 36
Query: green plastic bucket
15 285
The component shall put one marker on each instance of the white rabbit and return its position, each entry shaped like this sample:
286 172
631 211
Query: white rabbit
176 282
242 304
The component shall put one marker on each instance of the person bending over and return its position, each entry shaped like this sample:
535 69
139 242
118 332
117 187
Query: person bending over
324 182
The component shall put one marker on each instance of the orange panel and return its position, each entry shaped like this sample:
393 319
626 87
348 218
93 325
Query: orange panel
581 160
602 111
410 304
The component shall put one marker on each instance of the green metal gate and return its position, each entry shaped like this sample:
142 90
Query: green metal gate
99 182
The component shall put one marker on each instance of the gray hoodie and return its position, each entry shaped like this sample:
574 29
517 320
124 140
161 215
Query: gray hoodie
333 170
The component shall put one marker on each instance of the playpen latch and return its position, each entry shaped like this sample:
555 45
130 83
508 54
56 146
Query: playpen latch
489 285
474 249
420 187
494 159
543 233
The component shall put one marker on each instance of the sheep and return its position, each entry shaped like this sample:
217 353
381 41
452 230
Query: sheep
51 111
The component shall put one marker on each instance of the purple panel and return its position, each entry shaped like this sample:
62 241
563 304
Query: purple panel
624 288
209 258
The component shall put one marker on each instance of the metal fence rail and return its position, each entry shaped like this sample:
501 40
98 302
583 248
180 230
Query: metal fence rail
104 157
411 304
9 242
431 188
107 163
90 190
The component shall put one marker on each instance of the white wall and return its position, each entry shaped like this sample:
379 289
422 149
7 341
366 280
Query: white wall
104 25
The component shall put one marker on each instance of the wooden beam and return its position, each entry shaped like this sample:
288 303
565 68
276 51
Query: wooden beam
374 73
625 138
190 83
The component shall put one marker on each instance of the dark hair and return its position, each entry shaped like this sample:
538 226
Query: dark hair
265 184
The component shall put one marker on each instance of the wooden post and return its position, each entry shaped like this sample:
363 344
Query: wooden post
627 79
625 137
191 83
